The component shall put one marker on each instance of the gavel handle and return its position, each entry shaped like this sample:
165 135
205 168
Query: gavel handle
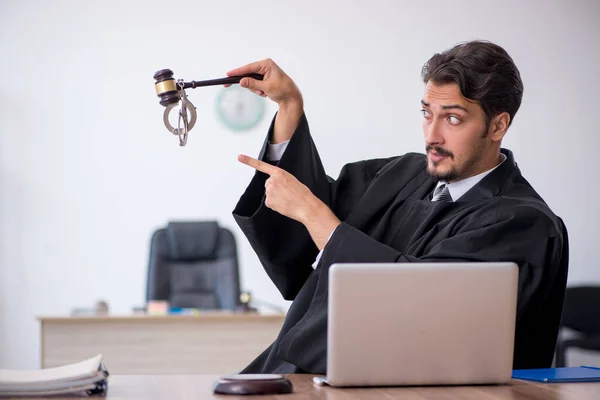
221 81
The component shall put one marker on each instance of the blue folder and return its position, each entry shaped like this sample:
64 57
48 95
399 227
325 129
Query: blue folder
556 375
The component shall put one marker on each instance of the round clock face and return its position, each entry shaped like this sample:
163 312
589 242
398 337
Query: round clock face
239 109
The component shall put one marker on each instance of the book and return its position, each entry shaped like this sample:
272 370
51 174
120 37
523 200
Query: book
559 375
88 377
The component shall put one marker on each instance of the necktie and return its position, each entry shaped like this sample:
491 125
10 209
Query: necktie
442 194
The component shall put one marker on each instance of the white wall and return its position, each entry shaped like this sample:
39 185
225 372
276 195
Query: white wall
87 170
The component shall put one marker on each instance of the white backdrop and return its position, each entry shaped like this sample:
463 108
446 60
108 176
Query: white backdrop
88 171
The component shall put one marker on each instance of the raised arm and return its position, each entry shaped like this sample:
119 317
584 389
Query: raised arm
279 87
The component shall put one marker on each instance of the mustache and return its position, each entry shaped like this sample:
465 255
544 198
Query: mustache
440 150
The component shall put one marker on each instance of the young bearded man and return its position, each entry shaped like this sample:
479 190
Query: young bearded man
464 200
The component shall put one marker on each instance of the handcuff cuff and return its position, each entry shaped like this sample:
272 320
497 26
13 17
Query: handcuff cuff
172 95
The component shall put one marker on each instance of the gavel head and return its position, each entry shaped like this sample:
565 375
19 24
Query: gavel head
166 88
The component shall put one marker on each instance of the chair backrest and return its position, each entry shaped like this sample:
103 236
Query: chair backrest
581 309
544 314
194 265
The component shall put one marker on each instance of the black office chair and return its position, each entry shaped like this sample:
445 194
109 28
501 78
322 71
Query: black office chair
581 315
194 265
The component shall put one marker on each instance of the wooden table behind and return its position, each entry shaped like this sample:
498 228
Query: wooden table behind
209 343
190 387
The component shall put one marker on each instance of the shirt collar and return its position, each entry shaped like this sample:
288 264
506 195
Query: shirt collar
457 189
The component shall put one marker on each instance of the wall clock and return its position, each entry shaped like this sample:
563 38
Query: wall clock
239 109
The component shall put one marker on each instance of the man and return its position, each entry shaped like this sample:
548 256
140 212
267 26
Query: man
465 200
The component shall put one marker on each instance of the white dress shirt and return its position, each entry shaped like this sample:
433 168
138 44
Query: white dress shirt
457 189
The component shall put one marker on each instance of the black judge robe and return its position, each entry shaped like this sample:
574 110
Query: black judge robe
387 216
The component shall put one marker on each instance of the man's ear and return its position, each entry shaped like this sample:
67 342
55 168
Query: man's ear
499 126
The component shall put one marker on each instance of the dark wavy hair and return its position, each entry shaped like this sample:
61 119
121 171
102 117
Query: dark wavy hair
484 72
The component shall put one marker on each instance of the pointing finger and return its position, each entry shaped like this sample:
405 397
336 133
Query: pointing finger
258 165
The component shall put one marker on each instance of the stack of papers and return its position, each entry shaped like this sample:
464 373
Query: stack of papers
88 377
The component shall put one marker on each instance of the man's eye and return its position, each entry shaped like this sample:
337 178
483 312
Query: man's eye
453 120
425 113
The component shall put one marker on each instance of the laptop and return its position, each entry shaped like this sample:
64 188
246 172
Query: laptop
417 324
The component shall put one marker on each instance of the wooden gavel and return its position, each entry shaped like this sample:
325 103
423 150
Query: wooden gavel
168 90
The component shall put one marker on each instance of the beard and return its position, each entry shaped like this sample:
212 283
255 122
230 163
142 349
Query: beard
445 176
456 172
464 169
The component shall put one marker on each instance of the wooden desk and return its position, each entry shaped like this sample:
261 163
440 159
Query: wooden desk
173 387
218 343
